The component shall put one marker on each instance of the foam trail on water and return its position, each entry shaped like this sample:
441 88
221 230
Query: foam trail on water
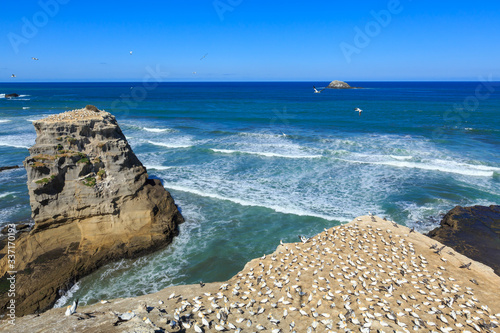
169 145
401 158
158 167
157 130
4 121
266 154
284 210
9 144
437 165
3 195
62 301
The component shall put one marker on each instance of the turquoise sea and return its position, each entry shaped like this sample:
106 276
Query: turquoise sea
250 163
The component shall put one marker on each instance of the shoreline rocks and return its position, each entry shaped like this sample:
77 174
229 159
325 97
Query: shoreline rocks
474 232
92 202
9 167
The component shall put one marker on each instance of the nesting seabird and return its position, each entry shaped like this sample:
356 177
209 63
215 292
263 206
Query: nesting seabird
71 308
466 265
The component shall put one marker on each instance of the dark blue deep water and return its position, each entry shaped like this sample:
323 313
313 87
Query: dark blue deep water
252 163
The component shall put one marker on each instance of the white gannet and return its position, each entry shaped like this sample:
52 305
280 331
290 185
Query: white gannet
358 110
316 91
71 308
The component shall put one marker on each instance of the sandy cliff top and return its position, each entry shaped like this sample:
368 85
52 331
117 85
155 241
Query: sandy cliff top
74 115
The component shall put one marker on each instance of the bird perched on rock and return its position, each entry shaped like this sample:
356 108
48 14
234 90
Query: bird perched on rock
303 239
71 308
466 265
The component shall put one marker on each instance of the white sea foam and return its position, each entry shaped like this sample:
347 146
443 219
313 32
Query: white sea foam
284 210
3 195
436 165
157 130
4 121
401 158
62 301
2 95
158 167
18 141
170 145
9 143
26 107
266 154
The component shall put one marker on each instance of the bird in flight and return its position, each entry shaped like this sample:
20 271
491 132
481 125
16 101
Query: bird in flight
34 58
316 91
358 110
13 75
130 52
204 56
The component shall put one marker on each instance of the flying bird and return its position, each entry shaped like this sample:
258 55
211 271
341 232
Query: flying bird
358 110
34 58
130 52
13 75
316 91
204 56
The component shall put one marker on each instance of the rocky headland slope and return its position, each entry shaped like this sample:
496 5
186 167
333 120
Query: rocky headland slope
473 231
369 275
92 202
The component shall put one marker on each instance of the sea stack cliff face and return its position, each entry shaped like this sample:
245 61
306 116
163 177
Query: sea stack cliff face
92 202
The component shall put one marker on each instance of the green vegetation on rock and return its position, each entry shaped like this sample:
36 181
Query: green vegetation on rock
89 181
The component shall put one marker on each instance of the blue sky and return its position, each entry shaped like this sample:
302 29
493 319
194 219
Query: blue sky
244 40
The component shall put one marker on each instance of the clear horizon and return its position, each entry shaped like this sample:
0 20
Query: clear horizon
243 41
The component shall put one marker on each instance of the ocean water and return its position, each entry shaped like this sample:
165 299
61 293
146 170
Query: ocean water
252 163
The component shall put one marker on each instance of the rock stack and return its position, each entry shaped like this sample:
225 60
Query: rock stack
92 202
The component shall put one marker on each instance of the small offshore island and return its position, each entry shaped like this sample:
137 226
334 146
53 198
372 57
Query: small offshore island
92 203
340 85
